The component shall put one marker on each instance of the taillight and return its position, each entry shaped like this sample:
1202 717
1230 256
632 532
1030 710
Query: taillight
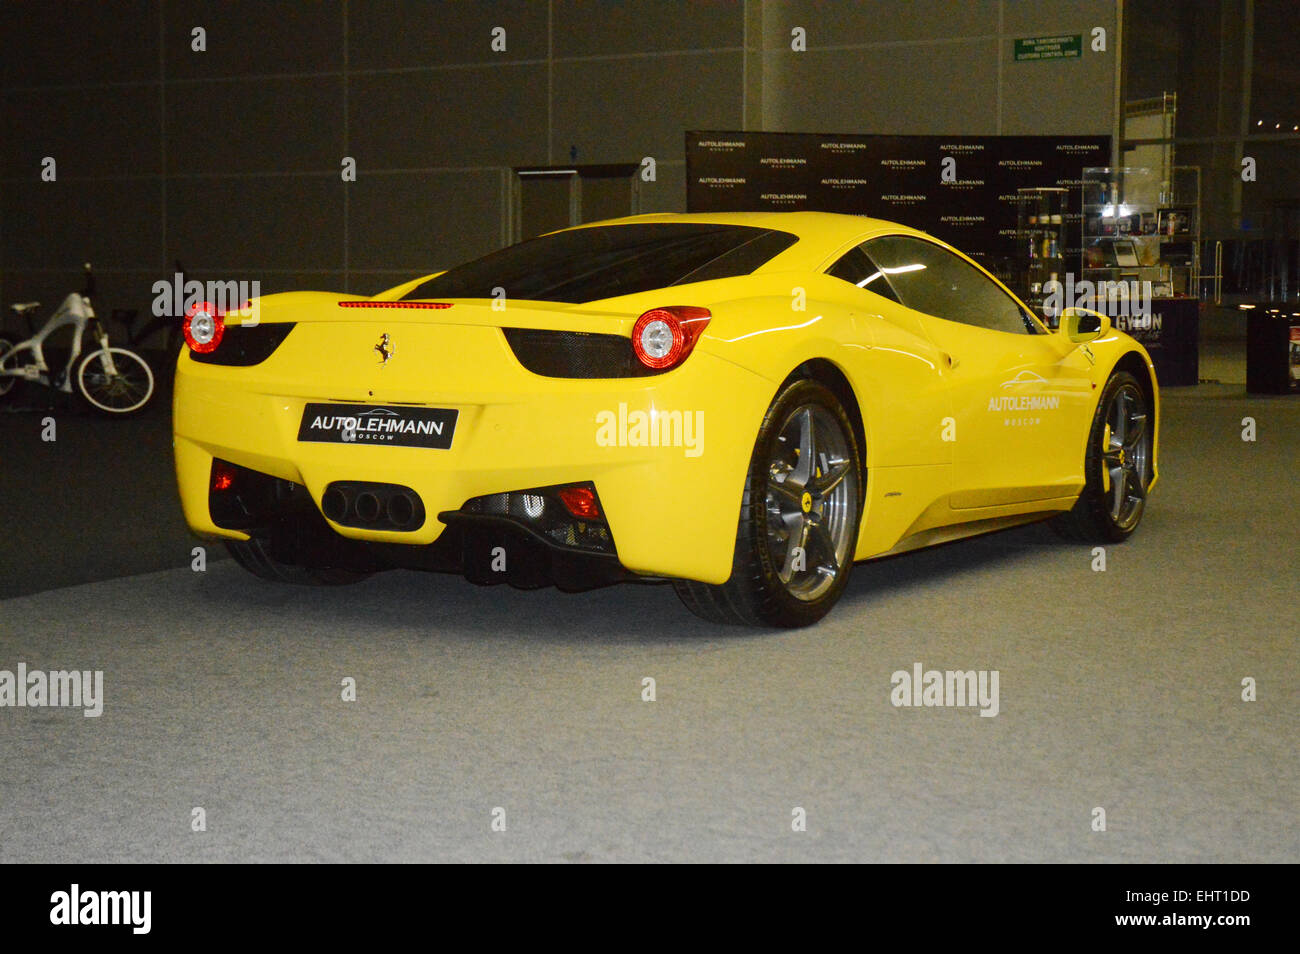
204 326
581 502
662 338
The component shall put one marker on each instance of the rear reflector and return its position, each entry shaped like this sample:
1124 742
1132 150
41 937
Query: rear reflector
581 502
366 303
223 475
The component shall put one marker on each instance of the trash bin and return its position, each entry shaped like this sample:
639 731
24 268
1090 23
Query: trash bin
1273 349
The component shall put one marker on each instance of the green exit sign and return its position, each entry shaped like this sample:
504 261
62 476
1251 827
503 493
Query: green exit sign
1049 47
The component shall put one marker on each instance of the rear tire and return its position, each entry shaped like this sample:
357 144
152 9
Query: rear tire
1117 466
255 557
799 518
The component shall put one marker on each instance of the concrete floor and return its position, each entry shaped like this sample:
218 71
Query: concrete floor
1118 690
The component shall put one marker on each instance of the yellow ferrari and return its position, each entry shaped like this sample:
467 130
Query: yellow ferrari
741 404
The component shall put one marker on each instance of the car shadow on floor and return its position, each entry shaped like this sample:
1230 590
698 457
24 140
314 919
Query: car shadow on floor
883 576
405 602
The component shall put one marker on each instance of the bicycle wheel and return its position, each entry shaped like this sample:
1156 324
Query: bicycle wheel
8 383
115 381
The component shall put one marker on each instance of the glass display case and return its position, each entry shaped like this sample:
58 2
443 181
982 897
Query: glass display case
1140 261
1137 227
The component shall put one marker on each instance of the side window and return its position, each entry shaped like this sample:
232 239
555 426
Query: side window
932 280
857 268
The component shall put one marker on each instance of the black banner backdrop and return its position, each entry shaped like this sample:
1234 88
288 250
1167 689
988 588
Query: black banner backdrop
899 178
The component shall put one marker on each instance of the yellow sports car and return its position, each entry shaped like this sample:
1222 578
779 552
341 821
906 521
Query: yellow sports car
741 404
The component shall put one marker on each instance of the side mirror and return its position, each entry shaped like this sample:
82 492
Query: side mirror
1081 325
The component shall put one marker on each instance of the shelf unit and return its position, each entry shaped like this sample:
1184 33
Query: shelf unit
1042 220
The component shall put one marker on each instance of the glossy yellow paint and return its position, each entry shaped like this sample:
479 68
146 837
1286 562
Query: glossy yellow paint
673 510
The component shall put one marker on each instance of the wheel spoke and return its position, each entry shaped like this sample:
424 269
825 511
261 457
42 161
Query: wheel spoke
1117 421
833 474
783 490
825 547
1117 482
1137 486
803 469
1138 432
798 543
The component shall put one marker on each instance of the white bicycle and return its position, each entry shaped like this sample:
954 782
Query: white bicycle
113 380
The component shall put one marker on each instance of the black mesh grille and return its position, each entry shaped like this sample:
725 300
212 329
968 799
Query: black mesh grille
575 354
242 346
542 510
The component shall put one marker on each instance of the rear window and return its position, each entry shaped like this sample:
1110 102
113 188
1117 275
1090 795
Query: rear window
585 265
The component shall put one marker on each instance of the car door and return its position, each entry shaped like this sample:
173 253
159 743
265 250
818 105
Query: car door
1021 398
898 373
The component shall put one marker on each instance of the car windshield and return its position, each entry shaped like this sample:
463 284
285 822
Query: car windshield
583 265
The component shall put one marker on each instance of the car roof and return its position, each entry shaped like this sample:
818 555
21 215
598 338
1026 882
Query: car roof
820 233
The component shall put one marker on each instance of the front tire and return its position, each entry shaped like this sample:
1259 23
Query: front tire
799 518
124 387
1117 466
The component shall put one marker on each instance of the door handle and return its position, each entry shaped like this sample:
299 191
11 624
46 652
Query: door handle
952 362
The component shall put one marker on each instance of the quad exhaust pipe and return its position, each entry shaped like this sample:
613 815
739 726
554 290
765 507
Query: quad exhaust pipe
373 506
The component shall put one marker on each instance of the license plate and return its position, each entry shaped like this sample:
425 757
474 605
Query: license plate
374 424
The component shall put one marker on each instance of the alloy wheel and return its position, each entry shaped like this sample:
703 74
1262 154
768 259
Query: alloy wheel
1126 455
811 499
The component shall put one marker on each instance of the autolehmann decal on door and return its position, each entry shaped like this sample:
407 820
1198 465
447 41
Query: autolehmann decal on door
1024 403
366 424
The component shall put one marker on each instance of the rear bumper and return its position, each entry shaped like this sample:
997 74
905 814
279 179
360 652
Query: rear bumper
485 548
672 505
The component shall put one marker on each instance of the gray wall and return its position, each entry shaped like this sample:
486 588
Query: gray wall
934 68
229 159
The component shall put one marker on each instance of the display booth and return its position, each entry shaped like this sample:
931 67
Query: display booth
1043 213
1141 234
